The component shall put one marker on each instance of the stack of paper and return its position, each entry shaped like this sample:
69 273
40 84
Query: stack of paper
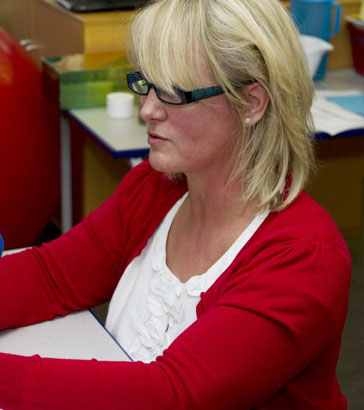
336 113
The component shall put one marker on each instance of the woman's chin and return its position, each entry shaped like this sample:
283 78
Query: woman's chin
163 165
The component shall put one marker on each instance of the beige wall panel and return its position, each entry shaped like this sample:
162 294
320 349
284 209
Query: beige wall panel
14 17
105 32
54 31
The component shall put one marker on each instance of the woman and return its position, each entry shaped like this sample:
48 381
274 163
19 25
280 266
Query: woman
229 284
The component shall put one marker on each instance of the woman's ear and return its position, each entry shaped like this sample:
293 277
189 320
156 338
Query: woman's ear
257 97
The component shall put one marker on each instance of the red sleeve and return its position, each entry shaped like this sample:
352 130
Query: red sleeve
82 268
273 318
73 272
76 271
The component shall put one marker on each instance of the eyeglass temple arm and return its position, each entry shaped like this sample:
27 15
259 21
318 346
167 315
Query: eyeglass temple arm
203 93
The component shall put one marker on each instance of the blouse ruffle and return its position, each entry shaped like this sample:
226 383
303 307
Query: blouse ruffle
164 308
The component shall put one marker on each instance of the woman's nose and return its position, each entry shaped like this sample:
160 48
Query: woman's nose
152 108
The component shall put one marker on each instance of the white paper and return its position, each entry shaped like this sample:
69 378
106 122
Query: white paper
330 117
75 336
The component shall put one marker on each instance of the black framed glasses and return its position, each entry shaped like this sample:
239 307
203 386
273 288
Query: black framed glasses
139 85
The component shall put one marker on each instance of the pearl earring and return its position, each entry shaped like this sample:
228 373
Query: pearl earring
247 121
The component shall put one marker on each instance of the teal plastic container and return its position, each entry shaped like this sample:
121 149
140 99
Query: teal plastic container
319 18
1 245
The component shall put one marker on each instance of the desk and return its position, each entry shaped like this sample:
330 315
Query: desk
340 80
122 138
78 335
342 123
338 184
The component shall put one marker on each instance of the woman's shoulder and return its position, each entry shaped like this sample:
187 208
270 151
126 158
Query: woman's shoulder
138 175
297 255
145 195
143 180
304 220
298 242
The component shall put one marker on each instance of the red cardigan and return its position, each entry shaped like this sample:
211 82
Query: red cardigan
268 331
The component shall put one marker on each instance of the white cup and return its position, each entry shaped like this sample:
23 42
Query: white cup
120 105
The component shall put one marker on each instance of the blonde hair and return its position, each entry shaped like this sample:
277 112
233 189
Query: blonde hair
240 41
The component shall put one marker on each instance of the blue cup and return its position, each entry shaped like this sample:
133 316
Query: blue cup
319 18
1 245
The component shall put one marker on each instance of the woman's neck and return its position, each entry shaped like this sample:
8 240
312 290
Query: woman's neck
214 202
206 225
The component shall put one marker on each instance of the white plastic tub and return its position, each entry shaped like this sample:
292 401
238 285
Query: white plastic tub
315 48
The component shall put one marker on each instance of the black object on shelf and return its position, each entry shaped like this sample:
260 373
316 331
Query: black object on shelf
84 6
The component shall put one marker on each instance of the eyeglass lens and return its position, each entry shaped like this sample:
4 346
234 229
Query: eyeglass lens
142 87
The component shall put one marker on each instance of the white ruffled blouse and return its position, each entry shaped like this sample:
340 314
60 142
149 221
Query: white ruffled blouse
151 307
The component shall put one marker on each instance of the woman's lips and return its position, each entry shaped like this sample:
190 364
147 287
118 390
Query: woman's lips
154 138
